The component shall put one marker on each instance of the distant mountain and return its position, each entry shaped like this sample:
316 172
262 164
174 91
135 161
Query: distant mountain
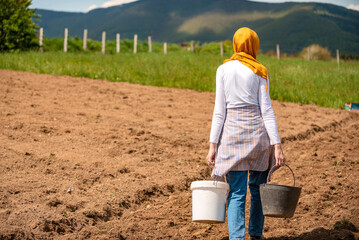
292 25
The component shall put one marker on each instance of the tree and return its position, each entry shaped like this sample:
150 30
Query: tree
17 28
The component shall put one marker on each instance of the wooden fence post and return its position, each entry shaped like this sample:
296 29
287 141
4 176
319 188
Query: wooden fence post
338 57
278 52
165 48
85 40
149 44
135 43
222 49
103 49
309 53
118 43
192 46
41 37
65 39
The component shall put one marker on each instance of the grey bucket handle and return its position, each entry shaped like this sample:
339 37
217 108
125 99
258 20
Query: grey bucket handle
274 168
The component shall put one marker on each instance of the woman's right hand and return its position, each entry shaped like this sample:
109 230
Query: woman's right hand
279 155
211 154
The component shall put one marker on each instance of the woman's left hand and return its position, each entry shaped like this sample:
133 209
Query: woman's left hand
279 155
211 154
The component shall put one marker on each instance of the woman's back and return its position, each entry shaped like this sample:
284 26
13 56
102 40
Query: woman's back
240 84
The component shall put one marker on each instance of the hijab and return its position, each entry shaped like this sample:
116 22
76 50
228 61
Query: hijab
246 46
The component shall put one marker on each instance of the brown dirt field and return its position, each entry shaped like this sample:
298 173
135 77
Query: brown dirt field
130 152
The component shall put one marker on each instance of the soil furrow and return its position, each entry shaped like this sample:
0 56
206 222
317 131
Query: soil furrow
91 159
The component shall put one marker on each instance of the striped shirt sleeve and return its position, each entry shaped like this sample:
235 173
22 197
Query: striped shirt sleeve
219 112
267 112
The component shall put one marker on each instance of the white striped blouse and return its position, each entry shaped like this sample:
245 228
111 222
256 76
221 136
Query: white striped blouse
238 86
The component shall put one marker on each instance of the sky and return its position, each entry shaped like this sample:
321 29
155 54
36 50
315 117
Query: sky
88 5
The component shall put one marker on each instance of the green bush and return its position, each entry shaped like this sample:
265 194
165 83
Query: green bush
93 46
75 45
17 29
215 48
53 44
317 52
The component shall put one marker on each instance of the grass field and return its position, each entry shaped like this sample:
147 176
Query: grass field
323 83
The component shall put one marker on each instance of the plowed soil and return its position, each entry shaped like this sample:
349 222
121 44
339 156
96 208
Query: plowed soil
91 159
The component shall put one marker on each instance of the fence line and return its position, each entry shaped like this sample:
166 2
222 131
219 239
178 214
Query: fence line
118 40
103 47
66 39
149 44
278 52
165 48
85 40
222 50
41 37
135 43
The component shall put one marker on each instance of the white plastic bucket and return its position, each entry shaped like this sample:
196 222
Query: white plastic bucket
209 201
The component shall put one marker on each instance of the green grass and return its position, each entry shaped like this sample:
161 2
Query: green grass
293 80
323 83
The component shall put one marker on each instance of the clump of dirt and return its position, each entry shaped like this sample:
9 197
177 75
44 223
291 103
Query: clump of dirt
91 159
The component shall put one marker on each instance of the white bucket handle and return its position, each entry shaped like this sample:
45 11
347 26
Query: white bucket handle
218 177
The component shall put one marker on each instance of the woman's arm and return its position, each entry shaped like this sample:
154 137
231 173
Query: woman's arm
270 122
219 114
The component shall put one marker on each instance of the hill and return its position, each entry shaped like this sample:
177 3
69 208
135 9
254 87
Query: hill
292 25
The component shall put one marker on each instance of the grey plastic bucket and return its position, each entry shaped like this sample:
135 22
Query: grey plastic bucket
279 200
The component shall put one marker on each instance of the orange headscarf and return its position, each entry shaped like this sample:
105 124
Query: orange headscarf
246 46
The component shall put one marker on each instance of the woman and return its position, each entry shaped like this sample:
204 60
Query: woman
243 133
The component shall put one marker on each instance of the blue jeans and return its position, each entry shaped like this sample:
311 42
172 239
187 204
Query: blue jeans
237 202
